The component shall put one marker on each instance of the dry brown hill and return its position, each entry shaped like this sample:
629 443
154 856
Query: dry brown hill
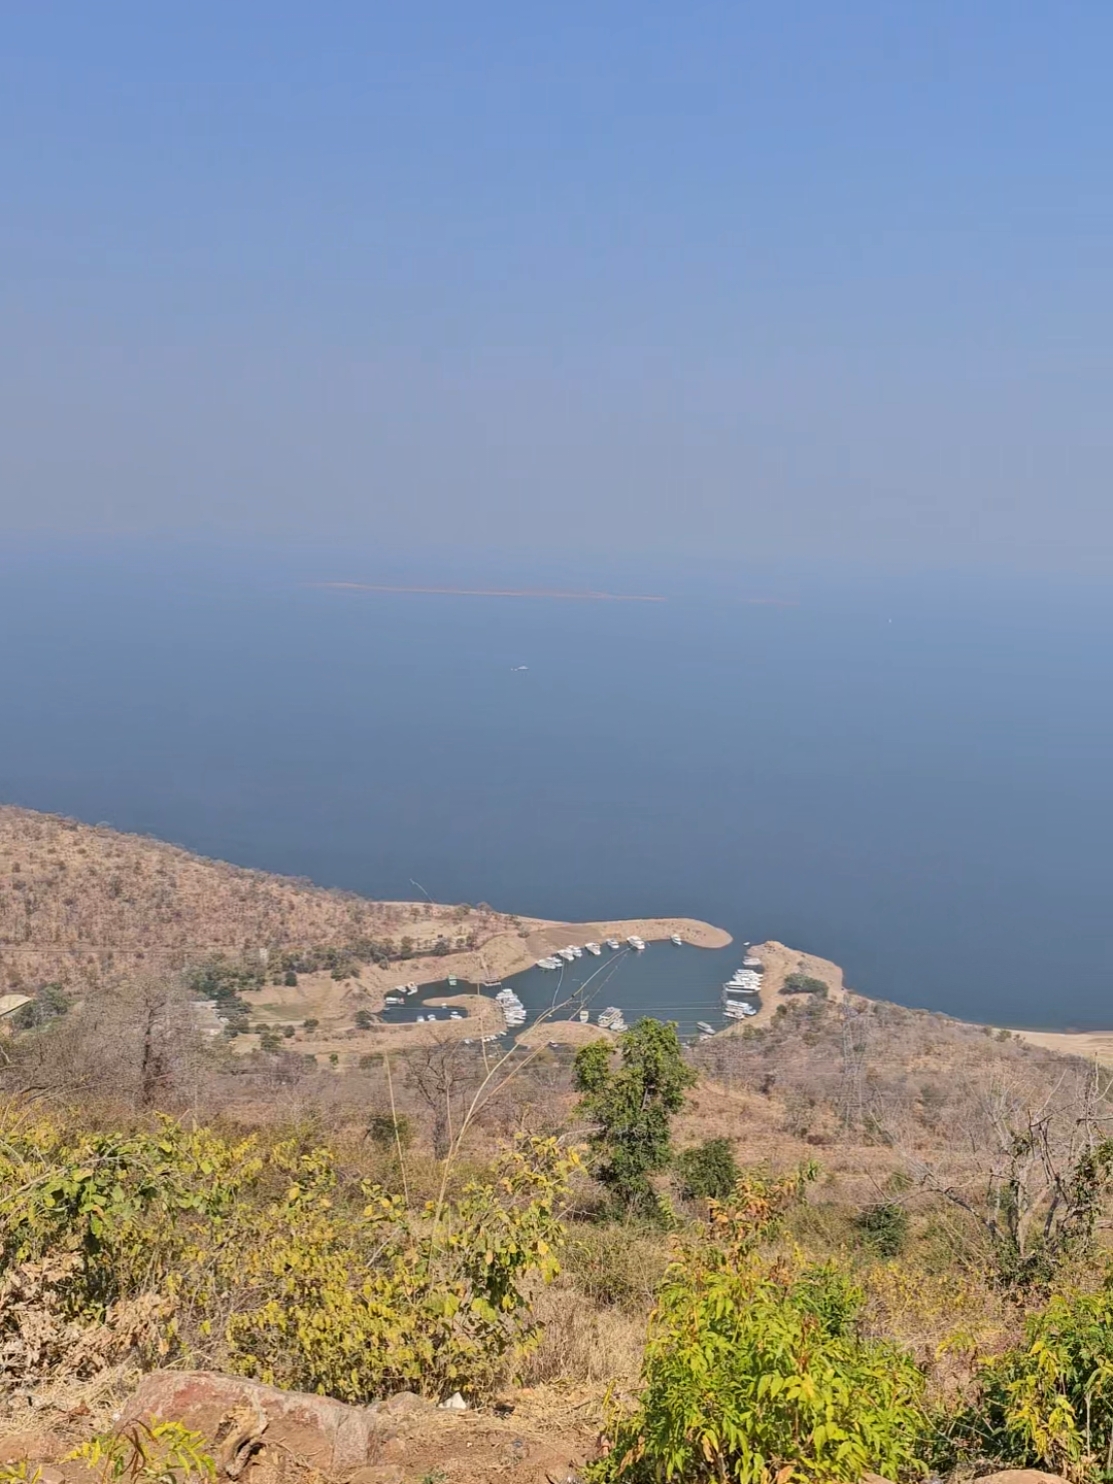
78 901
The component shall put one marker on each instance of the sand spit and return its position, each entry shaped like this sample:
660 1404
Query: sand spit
780 961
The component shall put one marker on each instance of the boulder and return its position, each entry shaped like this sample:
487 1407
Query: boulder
243 1415
1020 1476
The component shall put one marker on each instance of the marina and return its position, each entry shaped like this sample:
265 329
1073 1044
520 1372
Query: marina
609 983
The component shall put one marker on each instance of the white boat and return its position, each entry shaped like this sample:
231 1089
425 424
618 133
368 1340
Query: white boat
583 1016
702 1025
613 944
574 951
394 999
455 1015
593 949
750 962
677 939
611 1019
411 988
566 954
548 963
421 1020
738 1010
452 981
635 942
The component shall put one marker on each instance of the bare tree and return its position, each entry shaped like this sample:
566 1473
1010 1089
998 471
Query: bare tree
442 1072
135 1041
1031 1174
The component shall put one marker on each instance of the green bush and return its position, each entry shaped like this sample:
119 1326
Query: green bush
885 1228
755 1370
267 1262
708 1171
1048 1402
804 984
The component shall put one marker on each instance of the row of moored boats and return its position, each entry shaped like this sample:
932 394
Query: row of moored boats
568 955
742 983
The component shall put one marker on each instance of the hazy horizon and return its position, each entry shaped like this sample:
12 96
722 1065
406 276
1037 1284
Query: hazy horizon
796 287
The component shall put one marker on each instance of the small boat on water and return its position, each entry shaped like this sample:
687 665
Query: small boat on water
593 949
566 954
613 944
677 939
612 1019
574 951
583 1016
452 981
636 943
548 963
702 1025
455 1015
410 988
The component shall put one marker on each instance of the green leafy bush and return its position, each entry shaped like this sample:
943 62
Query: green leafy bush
1048 1402
755 1371
709 1170
267 1262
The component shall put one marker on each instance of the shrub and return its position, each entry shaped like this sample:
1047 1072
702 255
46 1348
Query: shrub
755 1371
885 1228
1048 1402
185 1246
617 1267
804 984
708 1171
387 1131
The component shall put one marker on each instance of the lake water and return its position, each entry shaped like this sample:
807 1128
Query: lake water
910 777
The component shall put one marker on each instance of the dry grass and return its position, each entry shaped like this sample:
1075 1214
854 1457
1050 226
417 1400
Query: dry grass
79 902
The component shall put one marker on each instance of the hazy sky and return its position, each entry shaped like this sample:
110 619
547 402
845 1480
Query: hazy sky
785 278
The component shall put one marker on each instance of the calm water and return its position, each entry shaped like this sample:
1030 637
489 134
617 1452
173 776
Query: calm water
912 778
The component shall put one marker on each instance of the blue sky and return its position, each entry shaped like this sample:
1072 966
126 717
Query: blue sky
778 279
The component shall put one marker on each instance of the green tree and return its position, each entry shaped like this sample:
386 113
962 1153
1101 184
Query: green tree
631 1107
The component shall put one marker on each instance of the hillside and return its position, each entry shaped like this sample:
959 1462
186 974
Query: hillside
75 899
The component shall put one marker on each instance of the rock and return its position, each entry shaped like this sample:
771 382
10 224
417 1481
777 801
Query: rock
455 1403
323 1433
378 1473
403 1404
1020 1476
35 1447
